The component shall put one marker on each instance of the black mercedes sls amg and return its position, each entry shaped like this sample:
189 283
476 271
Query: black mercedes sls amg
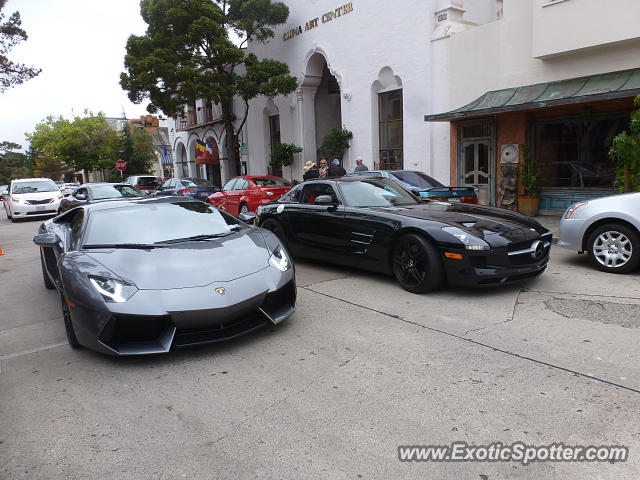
375 224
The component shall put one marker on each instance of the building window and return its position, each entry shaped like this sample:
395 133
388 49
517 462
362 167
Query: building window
573 152
390 128
274 139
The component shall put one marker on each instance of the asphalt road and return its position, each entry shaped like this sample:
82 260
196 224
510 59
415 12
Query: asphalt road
361 368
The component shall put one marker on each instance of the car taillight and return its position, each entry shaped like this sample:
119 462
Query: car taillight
469 199
187 190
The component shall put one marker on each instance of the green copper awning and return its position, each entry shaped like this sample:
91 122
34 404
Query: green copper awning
563 92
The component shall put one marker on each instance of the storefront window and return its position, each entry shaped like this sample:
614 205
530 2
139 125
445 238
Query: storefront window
391 145
573 152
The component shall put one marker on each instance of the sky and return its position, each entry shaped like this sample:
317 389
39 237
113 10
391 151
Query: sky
80 46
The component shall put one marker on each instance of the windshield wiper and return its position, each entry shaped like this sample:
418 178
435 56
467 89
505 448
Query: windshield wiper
194 238
141 246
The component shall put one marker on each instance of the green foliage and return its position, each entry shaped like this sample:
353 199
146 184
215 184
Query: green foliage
11 34
86 142
530 173
335 143
625 152
282 155
49 167
136 148
13 164
186 54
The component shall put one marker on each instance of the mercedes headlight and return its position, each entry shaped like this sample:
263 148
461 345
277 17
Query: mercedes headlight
113 290
280 259
471 242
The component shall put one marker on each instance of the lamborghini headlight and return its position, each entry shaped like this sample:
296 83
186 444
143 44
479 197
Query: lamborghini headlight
113 290
471 242
280 259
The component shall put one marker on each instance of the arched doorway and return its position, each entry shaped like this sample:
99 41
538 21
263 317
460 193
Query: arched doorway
387 105
326 104
182 169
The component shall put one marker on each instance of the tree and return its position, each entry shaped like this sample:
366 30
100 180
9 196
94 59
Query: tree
283 153
11 73
625 151
13 164
186 54
48 167
84 143
136 148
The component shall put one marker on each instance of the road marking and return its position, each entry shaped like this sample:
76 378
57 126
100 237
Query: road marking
31 350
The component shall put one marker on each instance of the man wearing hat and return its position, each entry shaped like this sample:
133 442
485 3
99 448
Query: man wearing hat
336 169
310 171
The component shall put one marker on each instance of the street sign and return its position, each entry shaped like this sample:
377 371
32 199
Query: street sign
121 165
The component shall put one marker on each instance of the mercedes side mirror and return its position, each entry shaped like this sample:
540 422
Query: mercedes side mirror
46 240
248 217
324 200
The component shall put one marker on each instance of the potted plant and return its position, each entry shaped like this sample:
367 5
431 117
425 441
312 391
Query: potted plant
625 152
529 177
335 143
282 155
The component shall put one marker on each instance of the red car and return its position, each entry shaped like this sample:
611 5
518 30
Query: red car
247 193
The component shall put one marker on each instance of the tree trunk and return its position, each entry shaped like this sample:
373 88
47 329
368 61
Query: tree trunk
230 139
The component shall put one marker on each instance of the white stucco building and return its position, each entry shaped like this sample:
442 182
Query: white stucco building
374 68
556 75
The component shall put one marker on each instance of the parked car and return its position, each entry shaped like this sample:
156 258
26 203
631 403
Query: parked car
425 187
607 228
98 192
373 223
146 183
31 197
141 276
67 188
189 187
245 194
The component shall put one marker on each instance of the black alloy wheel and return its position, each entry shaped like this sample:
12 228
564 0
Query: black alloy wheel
416 264
68 325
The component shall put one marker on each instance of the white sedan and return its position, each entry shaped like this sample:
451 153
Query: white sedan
608 229
32 197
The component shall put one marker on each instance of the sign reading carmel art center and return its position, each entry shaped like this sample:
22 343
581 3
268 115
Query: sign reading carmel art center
313 23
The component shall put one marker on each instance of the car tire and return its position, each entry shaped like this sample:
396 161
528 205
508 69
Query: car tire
48 284
614 248
274 227
416 264
68 325
243 208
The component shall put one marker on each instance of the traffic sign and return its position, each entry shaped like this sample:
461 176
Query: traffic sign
121 165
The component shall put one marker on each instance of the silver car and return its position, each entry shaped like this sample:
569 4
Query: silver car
607 228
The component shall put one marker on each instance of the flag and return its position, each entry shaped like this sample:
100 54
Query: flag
207 152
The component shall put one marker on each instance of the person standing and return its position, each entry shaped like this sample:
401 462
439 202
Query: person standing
310 171
324 168
336 169
360 167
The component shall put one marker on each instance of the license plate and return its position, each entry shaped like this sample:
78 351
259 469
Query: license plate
204 194
453 199
40 207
